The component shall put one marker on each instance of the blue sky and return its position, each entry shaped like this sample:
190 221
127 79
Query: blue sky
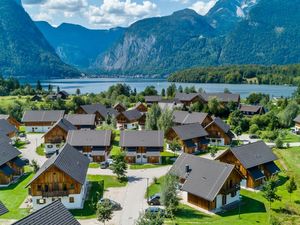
103 14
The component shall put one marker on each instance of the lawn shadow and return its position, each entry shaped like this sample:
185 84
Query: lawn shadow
248 205
14 185
286 210
132 179
282 180
190 213
297 202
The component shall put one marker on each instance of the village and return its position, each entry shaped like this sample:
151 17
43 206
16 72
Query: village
180 157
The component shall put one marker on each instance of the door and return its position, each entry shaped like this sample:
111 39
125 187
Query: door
224 200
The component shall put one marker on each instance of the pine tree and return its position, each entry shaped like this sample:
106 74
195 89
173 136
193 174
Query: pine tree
291 187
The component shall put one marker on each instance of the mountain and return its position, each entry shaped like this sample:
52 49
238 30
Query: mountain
161 45
79 46
24 52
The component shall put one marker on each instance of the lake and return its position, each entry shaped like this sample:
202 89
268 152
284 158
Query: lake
97 85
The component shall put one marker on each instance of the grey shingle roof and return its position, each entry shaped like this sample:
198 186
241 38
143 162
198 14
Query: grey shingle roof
89 137
142 138
206 177
186 97
7 153
222 97
70 161
92 109
250 108
43 115
4 138
153 98
190 131
6 127
81 119
184 117
132 114
171 105
3 209
119 104
220 123
63 124
53 214
254 154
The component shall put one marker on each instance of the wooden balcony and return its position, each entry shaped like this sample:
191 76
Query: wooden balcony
54 194
227 191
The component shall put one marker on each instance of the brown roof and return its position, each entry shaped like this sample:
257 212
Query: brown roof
250 108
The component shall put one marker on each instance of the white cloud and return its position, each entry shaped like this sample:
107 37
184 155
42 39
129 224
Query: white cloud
119 13
202 7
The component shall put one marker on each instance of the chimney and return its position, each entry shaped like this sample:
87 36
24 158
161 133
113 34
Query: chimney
57 152
187 168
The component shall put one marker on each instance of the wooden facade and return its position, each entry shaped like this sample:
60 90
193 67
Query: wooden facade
119 108
215 132
56 135
122 119
14 122
54 183
141 107
18 171
88 150
98 116
131 159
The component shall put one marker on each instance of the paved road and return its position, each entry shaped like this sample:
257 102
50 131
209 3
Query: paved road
131 197
29 150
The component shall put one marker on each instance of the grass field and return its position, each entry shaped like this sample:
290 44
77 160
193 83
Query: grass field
40 150
94 165
254 208
290 138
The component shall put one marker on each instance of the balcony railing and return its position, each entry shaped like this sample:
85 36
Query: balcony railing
54 193
230 190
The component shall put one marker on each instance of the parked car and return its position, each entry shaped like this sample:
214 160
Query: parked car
22 135
155 210
115 205
253 136
154 199
110 161
26 161
104 165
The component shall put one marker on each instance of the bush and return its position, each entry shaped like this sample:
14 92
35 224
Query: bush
279 143
253 129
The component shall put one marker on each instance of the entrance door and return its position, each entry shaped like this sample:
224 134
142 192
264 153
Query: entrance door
224 200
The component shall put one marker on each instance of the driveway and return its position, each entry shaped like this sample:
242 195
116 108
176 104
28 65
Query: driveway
29 150
131 197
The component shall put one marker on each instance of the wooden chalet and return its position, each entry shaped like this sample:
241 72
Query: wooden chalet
151 99
41 120
62 177
62 95
142 146
188 99
57 136
119 107
251 110
171 105
297 124
141 107
82 121
254 161
187 117
7 129
219 132
95 144
55 213
36 98
192 137
11 166
131 119
99 110
13 121
208 184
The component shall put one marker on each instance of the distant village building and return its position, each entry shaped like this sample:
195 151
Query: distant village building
192 137
62 95
142 146
186 117
94 144
131 119
251 110
62 177
41 120
7 129
170 105
56 136
13 121
254 161
297 124
151 99
82 121
36 98
208 184
141 107
119 107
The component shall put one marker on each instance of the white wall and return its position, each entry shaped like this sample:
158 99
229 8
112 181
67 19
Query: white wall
229 199
37 129
218 141
49 149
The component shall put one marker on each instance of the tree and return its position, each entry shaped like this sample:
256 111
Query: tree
174 146
152 117
214 106
169 194
39 86
171 90
253 129
57 89
104 211
150 90
165 121
213 151
113 122
279 142
291 187
35 165
163 92
78 91
50 88
227 91
150 219
119 166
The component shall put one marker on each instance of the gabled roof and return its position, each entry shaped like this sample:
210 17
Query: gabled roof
43 115
250 108
89 137
253 154
120 104
81 119
185 117
92 109
190 131
4 138
205 178
63 93
63 124
70 161
3 209
143 138
221 97
220 123
132 114
6 127
54 213
7 153
297 119
171 105
153 98
186 97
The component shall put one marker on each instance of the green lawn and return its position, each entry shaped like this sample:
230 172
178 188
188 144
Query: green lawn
13 196
94 165
20 145
254 207
290 138
40 150
98 185
145 166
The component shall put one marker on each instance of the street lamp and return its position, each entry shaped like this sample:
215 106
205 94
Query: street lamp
240 200
147 190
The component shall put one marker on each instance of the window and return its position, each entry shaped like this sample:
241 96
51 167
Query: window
50 146
71 199
64 187
72 186
39 187
41 201
46 188
233 194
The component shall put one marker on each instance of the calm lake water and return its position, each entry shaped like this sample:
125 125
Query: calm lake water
97 85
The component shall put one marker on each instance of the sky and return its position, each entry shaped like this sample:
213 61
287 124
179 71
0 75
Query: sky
105 14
